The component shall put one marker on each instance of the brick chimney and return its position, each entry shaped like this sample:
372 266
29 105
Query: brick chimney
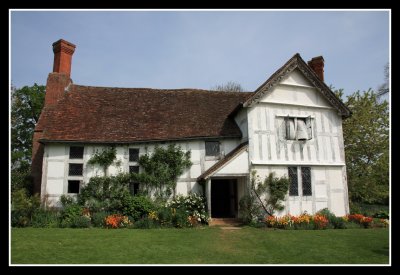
317 65
57 83
60 78
63 51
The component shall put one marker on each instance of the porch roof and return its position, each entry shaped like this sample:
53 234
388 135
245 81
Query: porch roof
229 158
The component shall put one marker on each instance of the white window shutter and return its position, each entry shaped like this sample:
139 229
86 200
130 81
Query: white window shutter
309 128
302 133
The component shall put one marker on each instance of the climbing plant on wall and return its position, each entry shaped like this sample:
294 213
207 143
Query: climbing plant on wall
161 169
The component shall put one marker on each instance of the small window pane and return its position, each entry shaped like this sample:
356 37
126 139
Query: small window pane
73 186
133 169
75 169
212 148
133 154
75 152
293 188
306 180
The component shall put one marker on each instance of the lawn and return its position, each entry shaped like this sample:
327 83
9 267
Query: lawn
198 246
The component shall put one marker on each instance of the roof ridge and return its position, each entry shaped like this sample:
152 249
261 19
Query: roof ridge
144 89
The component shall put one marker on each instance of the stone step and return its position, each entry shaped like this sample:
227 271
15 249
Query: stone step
224 222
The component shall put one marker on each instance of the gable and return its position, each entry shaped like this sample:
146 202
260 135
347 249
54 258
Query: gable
286 75
295 89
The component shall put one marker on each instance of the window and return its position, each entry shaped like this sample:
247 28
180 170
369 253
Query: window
75 169
212 148
304 179
133 186
293 188
298 128
75 152
73 186
134 169
133 154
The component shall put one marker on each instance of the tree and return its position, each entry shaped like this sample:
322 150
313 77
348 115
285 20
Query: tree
162 169
27 104
384 88
366 143
229 87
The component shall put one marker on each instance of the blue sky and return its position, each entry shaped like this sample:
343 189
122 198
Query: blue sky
200 49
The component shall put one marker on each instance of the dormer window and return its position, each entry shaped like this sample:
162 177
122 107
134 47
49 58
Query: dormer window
298 128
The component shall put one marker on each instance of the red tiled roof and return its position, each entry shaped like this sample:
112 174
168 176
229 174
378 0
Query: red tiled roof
119 115
211 171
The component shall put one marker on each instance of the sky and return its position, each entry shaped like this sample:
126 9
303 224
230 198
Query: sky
200 49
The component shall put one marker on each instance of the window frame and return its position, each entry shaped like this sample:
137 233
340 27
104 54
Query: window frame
74 148
136 159
75 181
307 121
218 154
302 182
75 164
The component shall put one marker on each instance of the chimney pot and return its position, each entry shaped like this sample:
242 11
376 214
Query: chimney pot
317 65
63 51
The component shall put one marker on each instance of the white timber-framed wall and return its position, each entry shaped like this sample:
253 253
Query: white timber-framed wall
270 151
56 164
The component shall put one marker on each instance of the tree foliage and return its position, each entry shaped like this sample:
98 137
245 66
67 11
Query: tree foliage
366 141
229 87
162 169
26 105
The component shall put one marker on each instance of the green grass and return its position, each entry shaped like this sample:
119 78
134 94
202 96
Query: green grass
198 246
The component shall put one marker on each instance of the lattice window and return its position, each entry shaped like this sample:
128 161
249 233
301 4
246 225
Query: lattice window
298 128
75 169
133 154
306 181
212 148
73 186
75 152
134 169
293 188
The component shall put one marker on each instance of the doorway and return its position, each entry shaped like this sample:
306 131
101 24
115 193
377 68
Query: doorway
224 198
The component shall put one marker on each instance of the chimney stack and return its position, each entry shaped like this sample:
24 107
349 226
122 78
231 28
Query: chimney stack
317 65
59 79
63 51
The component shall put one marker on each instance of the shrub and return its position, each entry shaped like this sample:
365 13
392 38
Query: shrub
334 222
98 218
117 221
105 193
23 208
320 222
193 205
46 218
381 215
249 208
136 206
164 215
79 222
69 214
146 223
180 218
